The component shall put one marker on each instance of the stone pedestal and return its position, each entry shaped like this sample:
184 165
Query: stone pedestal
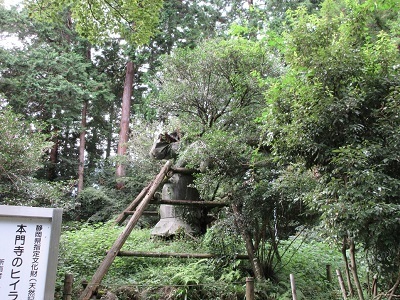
172 219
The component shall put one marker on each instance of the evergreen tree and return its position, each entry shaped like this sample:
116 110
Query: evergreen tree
334 112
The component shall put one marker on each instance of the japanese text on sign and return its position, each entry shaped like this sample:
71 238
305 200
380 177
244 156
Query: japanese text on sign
28 252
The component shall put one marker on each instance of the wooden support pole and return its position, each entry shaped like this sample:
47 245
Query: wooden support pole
341 284
67 291
146 212
293 285
193 203
249 288
112 253
176 255
121 218
328 273
184 170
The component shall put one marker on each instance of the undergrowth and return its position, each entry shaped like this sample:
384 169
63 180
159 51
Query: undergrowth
83 248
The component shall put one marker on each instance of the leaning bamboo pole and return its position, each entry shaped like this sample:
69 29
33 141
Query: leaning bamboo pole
113 252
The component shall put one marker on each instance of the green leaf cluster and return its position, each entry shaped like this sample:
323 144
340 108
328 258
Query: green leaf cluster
98 21
334 112
22 148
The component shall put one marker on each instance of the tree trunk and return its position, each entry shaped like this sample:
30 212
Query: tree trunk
341 284
110 131
82 136
354 270
254 261
82 142
347 270
124 125
51 170
393 289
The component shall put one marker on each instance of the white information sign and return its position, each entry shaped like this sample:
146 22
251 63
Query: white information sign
28 252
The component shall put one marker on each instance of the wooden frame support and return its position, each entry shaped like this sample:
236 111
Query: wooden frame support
112 253
176 255
121 218
184 170
249 288
208 204
146 212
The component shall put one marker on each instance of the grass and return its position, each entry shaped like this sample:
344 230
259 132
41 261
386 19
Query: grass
83 248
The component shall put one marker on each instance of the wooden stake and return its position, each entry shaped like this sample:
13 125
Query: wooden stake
112 253
293 285
328 273
68 281
249 288
341 284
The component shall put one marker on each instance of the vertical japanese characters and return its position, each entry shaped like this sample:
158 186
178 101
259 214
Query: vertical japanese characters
19 248
35 262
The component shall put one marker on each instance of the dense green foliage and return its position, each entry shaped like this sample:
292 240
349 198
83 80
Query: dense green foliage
44 80
22 145
219 278
336 111
99 20
288 108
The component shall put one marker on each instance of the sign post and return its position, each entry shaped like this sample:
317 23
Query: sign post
29 239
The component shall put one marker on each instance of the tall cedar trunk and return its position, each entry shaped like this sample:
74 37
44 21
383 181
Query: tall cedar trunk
347 271
82 136
82 142
254 261
51 171
124 125
354 270
110 132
